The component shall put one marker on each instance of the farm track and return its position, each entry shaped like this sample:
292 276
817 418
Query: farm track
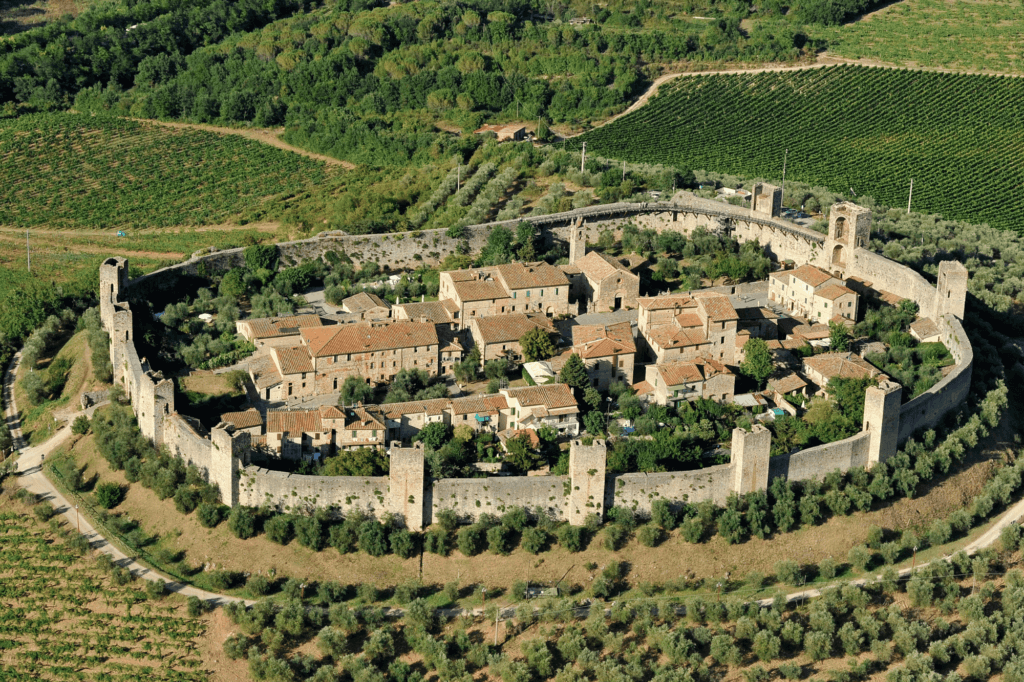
88 248
263 135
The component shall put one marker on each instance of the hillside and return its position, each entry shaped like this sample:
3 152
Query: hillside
860 131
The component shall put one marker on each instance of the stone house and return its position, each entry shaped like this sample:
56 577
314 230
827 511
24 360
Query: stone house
295 367
503 289
683 381
506 132
367 306
608 351
759 323
355 427
404 420
925 330
275 331
250 421
498 336
813 294
820 369
436 312
605 283
702 324
294 434
483 412
374 351
533 407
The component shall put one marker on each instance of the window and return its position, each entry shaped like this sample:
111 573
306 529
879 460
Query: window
723 340
527 293
375 433
353 434
541 292
556 292
303 377
348 357
335 383
515 294
371 365
463 417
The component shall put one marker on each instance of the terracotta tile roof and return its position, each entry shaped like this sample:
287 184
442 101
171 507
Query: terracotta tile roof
331 412
788 344
810 275
505 328
666 302
435 312
481 404
270 327
688 320
717 306
507 434
599 341
668 337
596 266
362 302
643 388
890 298
531 276
925 328
787 384
364 337
480 290
294 360
433 408
812 331
675 373
833 291
243 420
264 372
569 269
362 419
551 396
844 365
294 421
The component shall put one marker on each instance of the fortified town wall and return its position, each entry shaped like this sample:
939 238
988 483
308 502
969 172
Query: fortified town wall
224 455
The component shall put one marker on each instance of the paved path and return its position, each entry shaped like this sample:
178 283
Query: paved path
30 476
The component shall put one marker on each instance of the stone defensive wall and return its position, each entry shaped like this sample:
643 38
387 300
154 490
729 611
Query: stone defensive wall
224 455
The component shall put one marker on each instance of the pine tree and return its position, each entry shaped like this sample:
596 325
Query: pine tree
574 372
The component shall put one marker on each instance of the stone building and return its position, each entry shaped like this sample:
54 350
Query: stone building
687 327
498 336
404 420
822 368
605 284
766 200
368 307
849 228
608 351
813 294
355 427
533 407
436 312
480 412
276 331
376 352
527 288
250 421
294 434
674 382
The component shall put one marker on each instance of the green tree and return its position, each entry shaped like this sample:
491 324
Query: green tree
434 435
109 495
359 462
839 337
260 257
537 344
233 284
757 361
355 390
521 456
6 440
592 397
574 372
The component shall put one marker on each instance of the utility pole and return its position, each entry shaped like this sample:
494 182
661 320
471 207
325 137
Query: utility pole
911 195
28 252
458 178
783 197
583 157
623 170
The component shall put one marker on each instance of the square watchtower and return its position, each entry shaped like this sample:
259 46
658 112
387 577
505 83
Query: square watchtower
849 228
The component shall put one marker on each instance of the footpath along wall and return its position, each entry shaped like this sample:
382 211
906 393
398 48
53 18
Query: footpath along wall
224 454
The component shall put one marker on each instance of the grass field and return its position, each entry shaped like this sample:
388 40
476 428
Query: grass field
980 35
62 617
859 131
76 171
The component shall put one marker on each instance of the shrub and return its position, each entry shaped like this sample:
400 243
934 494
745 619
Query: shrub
196 607
649 535
403 543
278 529
236 646
662 514
44 511
535 540
80 426
470 540
258 585
242 522
516 519
186 499
372 538
499 540
573 538
788 571
309 532
1009 538
109 495
860 557
791 671
155 589
406 592
210 514
436 541
939 532
221 580
827 568
614 537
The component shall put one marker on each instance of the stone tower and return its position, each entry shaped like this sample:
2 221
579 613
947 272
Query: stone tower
229 452
849 228
587 466
405 484
766 200
882 420
951 289
113 281
751 451
577 242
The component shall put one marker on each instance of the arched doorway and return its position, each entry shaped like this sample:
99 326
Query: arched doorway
837 255
840 227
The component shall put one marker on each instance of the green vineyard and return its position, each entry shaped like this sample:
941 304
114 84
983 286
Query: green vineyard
72 171
856 130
